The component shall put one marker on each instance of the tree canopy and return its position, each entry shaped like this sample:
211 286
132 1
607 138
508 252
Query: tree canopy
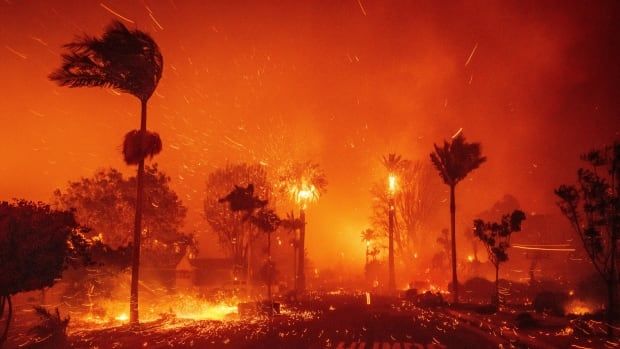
123 59
106 203
36 244
231 226
455 159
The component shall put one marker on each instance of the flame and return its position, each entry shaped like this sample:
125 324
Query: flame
470 258
304 193
578 308
392 184
181 306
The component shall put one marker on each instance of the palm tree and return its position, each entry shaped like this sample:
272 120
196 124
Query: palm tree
305 182
368 236
454 161
129 61
393 164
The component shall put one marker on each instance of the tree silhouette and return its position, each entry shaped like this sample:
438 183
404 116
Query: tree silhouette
267 221
36 244
235 234
105 202
454 161
129 61
496 239
593 209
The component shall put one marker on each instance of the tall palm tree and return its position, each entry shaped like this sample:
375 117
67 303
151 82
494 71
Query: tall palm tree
393 164
305 182
454 161
129 61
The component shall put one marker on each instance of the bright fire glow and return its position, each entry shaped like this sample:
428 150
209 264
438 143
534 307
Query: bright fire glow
392 184
470 258
304 193
181 306
123 317
578 308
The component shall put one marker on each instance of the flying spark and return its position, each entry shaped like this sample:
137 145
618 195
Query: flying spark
116 14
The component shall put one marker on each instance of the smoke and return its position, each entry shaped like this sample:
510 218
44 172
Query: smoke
535 83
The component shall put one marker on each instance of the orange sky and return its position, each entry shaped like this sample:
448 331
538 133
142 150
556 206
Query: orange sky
337 82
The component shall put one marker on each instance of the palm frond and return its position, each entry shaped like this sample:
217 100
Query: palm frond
127 60
456 159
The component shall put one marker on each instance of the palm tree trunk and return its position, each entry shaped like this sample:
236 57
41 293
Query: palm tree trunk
455 282
137 230
269 275
497 286
391 272
301 253
9 316
248 274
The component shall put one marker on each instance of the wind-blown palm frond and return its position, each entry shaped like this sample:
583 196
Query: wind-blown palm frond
392 162
456 159
123 59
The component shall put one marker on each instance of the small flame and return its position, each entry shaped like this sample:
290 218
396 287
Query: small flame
470 258
122 317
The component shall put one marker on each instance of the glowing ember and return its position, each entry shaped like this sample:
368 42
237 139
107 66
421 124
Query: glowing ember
470 258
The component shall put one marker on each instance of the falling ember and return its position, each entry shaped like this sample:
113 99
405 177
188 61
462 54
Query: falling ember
367 298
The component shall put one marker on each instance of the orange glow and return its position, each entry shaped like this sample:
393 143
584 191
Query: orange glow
180 306
578 308
301 88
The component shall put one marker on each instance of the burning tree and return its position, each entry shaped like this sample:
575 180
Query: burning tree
305 182
235 234
496 239
393 164
36 244
593 209
454 161
415 202
129 61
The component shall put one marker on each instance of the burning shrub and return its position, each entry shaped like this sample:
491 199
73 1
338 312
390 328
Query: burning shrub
51 332
136 147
